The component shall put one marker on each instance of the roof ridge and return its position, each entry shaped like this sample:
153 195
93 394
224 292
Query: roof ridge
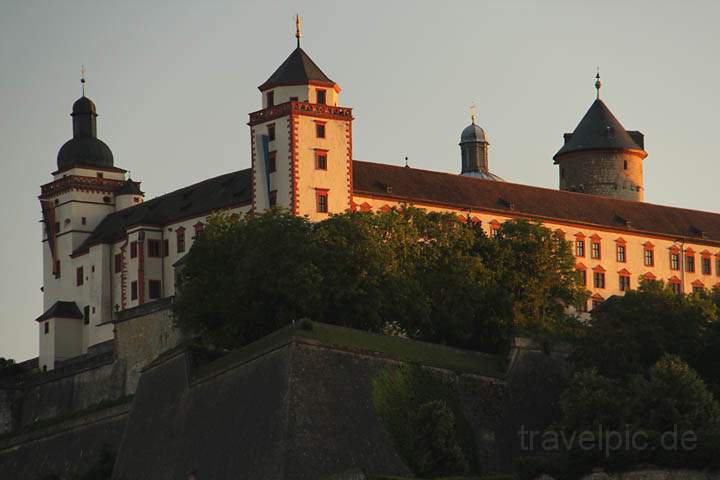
563 192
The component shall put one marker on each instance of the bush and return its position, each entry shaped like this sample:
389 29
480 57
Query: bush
424 418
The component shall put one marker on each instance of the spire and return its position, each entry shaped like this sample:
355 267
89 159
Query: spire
598 83
473 113
82 79
298 34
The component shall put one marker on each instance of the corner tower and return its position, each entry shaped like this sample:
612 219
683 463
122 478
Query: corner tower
602 158
301 141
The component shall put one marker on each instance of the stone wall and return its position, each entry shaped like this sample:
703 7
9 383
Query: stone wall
141 334
655 474
63 448
603 173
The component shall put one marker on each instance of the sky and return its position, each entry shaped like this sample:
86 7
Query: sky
174 82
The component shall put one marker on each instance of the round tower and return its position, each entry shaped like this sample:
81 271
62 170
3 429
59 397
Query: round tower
602 158
474 152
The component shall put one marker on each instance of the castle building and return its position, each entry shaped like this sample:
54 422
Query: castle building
106 249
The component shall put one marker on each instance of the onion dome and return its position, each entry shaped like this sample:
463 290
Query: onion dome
473 133
84 149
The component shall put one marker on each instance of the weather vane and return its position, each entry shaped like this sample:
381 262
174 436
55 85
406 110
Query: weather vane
82 79
598 83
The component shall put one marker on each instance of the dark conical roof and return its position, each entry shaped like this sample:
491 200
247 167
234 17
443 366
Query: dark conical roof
297 69
130 188
598 130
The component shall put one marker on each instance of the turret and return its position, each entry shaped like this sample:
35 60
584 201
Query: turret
474 152
602 158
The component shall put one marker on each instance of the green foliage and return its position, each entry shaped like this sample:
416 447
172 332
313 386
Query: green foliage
424 417
670 397
8 367
628 334
407 272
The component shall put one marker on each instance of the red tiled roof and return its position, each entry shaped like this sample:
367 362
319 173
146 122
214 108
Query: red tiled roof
443 189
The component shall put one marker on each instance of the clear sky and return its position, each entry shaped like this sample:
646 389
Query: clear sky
173 82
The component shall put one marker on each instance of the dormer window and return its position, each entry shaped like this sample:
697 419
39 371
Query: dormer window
270 99
320 95
99 175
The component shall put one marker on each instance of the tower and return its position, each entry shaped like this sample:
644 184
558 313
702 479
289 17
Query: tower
474 151
76 292
301 141
600 157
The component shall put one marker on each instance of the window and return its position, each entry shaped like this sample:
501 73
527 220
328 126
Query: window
46 327
180 232
582 307
199 227
133 290
166 247
118 263
596 302
79 276
57 269
624 282
320 160
599 279
273 198
582 274
154 289
57 227
154 248
271 132
321 197
621 253
717 267
133 249
86 314
675 286
690 263
595 249
674 261
293 99
272 162
320 95
319 130
83 220
99 175
649 257
706 266
625 164
698 289
270 98
580 248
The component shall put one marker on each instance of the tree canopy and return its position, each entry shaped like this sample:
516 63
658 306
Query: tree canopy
425 275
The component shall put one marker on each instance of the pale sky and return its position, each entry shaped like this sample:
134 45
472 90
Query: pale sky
173 82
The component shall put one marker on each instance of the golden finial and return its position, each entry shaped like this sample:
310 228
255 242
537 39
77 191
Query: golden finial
297 29
598 83
82 79
473 112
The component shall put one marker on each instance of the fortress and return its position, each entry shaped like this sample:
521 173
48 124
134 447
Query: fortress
110 258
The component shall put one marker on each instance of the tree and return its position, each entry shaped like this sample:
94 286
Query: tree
424 275
247 277
534 279
628 334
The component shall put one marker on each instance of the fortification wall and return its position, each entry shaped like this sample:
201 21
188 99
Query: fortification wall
141 334
302 409
62 449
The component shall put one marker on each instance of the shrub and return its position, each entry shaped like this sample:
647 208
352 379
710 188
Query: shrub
424 418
